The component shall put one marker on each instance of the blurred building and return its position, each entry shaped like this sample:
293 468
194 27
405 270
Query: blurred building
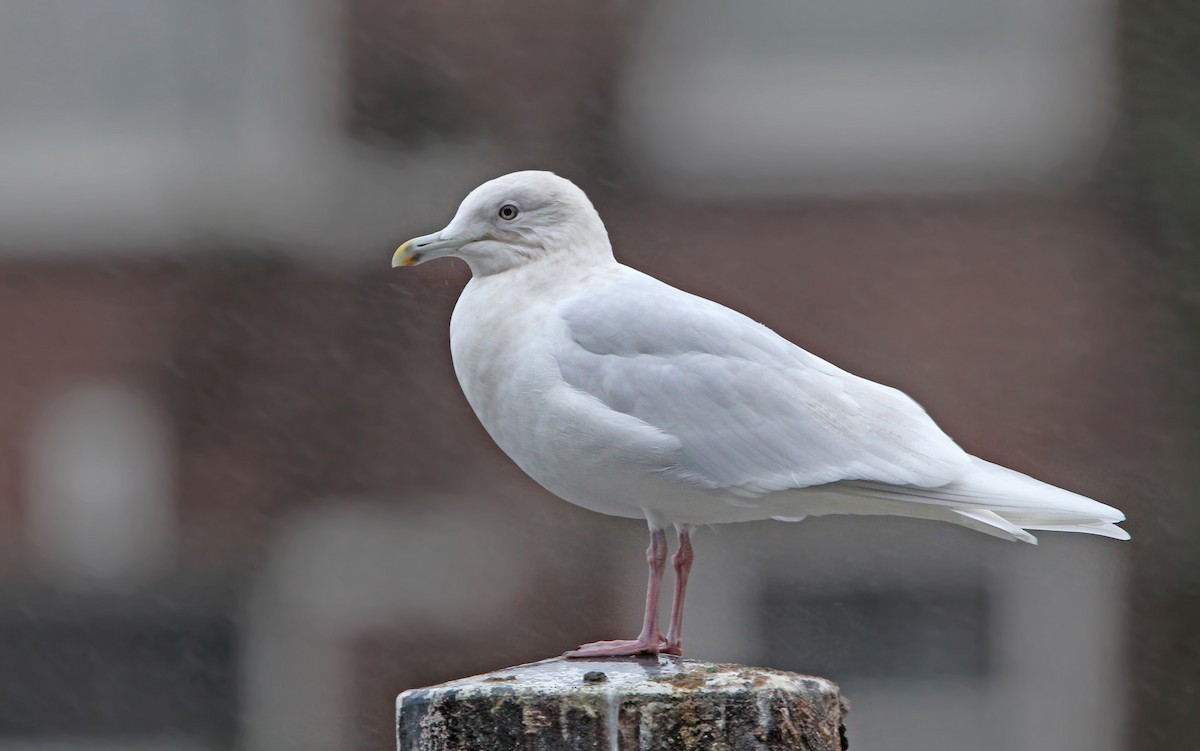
242 502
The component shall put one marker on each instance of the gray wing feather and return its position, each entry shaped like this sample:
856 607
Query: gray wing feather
753 413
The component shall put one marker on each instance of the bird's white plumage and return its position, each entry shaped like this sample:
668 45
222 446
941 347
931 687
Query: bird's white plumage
754 413
627 396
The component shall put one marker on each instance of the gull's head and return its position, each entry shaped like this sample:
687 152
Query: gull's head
514 220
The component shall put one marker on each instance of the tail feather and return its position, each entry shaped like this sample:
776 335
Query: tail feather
991 523
1005 503
1104 530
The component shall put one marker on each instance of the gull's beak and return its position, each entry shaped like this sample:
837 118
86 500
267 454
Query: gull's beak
424 248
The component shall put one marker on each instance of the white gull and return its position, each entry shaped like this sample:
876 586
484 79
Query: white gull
627 396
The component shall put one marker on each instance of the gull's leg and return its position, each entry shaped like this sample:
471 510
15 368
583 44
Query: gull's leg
683 567
650 641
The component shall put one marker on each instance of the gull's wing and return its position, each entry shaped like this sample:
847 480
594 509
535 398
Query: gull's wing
752 412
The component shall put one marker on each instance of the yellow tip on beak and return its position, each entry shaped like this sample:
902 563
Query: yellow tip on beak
424 248
403 255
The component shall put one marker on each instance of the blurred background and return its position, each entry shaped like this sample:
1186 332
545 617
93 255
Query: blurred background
243 503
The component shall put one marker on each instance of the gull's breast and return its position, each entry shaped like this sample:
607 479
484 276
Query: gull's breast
503 344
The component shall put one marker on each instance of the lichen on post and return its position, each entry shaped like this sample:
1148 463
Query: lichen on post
619 704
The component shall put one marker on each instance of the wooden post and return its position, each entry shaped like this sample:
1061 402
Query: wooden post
624 704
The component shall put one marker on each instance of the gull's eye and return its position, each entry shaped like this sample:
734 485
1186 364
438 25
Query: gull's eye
508 212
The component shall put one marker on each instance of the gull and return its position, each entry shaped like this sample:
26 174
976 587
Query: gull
626 396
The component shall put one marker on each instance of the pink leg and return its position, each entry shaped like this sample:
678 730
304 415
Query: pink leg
683 567
650 641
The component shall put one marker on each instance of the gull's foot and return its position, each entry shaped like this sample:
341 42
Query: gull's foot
620 648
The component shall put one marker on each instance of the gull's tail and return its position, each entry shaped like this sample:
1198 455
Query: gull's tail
1000 502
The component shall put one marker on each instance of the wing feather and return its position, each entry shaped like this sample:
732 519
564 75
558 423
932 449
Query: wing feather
754 414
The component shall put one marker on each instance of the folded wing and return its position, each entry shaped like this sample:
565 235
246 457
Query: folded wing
753 412
755 415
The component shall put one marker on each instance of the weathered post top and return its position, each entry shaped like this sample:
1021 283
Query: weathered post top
622 704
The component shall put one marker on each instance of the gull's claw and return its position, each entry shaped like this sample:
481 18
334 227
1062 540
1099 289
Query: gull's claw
620 648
